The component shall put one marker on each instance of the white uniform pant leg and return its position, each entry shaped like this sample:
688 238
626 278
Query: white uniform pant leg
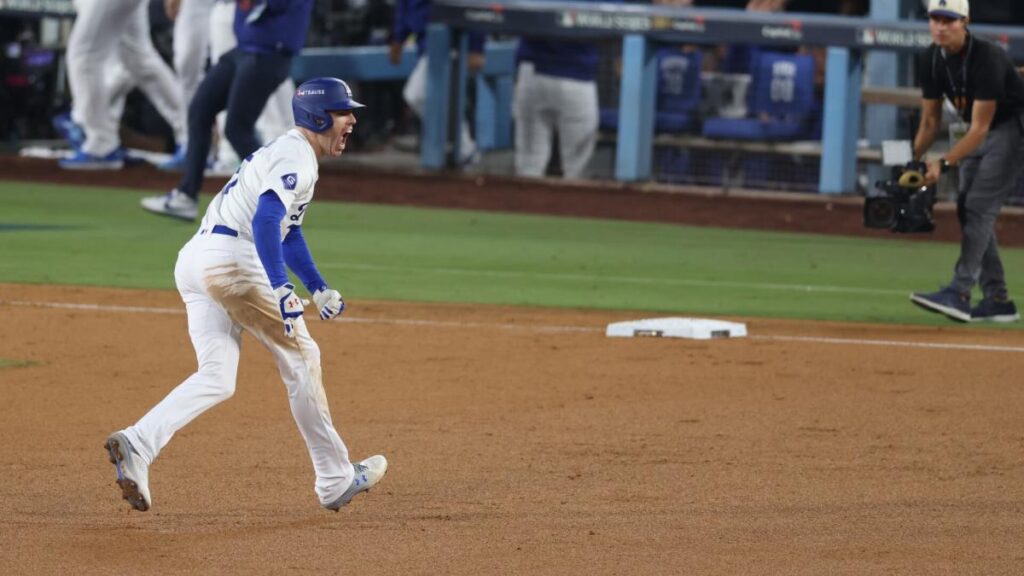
217 342
415 90
222 40
242 289
277 117
94 37
534 121
119 84
152 75
298 361
191 45
415 94
578 120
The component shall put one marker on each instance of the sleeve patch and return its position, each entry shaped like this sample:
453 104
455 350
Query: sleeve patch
290 181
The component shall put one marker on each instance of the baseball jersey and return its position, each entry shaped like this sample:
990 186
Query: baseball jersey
287 167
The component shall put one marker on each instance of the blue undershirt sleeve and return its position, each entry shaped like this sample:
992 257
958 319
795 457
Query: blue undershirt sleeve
266 234
298 258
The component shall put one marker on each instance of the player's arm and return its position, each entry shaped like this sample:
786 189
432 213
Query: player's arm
399 33
300 261
266 235
931 119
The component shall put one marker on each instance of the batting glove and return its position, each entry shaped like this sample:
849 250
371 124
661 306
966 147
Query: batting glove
329 303
290 306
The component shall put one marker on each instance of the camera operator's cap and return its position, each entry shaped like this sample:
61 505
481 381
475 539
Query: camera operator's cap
949 8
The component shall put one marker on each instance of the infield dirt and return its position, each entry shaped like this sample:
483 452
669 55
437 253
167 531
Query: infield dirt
520 441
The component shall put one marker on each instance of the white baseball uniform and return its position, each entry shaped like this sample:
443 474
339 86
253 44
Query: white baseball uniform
226 289
106 29
191 46
544 105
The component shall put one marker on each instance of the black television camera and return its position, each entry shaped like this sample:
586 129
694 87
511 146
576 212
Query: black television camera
904 203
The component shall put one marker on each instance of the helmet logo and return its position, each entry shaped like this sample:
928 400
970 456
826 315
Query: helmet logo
310 92
290 181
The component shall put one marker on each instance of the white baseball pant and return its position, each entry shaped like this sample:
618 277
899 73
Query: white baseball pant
225 290
415 94
130 60
191 45
97 30
545 104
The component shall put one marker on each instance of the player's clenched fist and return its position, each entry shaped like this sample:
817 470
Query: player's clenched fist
290 306
329 303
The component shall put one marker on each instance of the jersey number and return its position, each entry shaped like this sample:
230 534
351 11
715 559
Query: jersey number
301 209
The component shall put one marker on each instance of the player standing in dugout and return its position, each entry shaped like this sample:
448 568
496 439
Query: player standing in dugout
986 144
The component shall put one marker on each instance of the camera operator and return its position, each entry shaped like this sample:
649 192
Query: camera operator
987 141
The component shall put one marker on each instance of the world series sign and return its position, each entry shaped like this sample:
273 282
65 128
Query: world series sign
893 38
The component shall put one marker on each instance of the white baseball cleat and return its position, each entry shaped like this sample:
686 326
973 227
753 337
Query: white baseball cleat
367 474
132 472
175 204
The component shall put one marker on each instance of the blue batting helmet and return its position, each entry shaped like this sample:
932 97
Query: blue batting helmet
315 99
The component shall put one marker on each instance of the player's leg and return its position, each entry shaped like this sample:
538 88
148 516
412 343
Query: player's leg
578 120
222 40
217 343
252 302
415 90
298 361
277 116
191 44
211 97
151 74
985 186
93 39
257 77
533 122
119 84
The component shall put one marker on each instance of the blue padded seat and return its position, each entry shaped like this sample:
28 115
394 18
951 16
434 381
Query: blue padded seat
782 102
678 93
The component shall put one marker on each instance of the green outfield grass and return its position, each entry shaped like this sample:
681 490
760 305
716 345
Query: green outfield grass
92 236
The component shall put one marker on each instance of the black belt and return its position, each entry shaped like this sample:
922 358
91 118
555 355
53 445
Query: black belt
220 229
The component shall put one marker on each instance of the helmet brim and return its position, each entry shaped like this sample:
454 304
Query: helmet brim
350 105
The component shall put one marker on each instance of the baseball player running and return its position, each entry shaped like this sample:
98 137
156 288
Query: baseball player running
231 276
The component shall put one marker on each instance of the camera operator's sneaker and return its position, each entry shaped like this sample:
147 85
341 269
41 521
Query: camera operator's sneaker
992 310
949 302
367 474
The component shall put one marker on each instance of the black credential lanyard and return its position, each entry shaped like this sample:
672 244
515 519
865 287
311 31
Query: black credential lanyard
959 97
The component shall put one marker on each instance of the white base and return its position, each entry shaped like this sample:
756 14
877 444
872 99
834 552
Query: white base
694 328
